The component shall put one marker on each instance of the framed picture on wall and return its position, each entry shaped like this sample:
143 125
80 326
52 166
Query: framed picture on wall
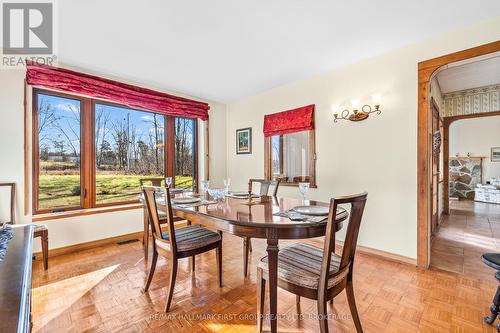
244 141
495 154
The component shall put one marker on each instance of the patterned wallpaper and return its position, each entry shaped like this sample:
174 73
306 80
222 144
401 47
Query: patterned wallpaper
477 100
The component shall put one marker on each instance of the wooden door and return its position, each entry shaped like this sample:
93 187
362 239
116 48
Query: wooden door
435 169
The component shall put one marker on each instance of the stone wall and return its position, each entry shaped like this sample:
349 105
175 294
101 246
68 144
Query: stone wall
465 174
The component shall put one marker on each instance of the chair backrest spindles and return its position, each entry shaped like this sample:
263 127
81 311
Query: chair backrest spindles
152 207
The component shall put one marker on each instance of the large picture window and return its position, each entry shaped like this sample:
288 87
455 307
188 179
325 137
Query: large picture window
89 153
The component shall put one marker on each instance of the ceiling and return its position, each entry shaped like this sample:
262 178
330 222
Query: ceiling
223 50
474 73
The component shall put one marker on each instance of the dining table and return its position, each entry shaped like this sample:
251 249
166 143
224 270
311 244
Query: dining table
257 219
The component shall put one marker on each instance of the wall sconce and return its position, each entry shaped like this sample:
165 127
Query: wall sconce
357 115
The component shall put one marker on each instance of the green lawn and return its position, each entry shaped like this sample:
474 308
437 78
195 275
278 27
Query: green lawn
64 190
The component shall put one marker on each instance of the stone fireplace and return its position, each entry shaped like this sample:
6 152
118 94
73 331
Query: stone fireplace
465 174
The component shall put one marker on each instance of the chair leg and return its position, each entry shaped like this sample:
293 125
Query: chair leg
45 249
151 270
145 235
331 301
261 295
246 250
352 305
297 299
322 317
173 274
250 244
192 263
218 251
495 308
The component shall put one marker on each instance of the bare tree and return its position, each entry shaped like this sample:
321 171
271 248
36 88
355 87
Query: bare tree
101 122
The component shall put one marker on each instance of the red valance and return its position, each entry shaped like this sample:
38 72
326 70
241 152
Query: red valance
132 96
296 120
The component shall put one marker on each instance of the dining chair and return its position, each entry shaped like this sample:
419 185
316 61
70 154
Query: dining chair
153 181
265 185
316 273
177 243
40 230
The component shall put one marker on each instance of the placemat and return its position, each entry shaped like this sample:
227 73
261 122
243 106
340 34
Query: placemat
6 234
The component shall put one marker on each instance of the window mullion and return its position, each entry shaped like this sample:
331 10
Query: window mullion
87 156
170 148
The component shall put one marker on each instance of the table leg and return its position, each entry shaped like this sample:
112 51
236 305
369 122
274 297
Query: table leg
272 262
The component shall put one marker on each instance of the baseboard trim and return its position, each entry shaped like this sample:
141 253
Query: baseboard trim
138 235
89 245
97 243
378 253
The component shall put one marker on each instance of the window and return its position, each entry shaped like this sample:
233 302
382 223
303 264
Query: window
185 152
59 131
89 153
291 158
129 145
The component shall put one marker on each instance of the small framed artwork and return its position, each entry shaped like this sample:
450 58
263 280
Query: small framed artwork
495 154
244 141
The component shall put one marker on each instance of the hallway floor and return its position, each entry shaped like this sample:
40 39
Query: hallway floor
471 229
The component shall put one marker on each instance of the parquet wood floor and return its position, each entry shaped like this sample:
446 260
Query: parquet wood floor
471 229
99 290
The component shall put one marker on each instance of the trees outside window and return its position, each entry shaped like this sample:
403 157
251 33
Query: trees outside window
89 153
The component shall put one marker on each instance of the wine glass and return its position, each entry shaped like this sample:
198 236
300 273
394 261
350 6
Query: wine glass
205 184
303 189
227 182
168 181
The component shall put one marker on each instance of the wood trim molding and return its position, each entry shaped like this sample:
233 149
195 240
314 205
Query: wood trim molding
75 213
373 252
97 243
27 182
425 71
207 151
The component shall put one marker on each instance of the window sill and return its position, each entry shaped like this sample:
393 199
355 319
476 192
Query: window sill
81 212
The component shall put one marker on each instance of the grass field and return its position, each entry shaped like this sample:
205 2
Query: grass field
64 190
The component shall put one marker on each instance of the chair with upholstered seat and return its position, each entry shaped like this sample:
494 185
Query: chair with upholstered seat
39 230
318 273
177 243
265 185
153 181
493 260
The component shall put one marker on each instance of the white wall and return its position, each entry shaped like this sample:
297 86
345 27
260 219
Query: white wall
377 155
64 232
476 136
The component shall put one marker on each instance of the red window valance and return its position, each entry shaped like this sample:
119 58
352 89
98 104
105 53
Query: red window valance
132 96
296 120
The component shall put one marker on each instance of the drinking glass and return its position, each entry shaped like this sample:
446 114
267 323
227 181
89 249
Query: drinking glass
227 182
205 184
303 189
168 181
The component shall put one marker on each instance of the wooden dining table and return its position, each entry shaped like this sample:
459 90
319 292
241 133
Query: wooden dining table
236 216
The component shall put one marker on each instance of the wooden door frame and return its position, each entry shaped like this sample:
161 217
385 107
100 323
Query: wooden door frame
433 157
425 71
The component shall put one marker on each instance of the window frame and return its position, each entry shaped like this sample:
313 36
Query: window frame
88 168
311 159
